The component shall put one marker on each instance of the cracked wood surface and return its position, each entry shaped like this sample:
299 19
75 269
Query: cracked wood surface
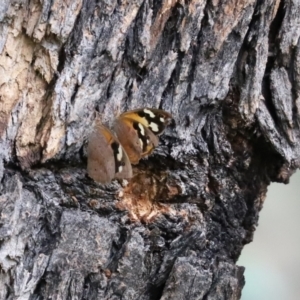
228 71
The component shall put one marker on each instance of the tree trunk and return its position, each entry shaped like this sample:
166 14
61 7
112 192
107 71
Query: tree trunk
228 71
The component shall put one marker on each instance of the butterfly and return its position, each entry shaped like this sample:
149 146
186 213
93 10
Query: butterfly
136 136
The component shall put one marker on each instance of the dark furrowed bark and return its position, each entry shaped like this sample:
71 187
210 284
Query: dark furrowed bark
229 74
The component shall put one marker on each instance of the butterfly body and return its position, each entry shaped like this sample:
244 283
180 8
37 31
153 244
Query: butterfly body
137 134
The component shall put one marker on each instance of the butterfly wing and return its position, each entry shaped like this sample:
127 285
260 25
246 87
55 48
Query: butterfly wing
154 119
126 171
137 131
101 164
106 157
137 140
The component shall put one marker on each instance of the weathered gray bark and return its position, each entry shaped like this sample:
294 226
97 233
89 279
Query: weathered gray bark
228 71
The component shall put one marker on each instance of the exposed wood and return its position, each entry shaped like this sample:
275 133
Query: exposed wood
228 71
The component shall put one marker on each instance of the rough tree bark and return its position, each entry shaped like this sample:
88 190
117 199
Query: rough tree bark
228 71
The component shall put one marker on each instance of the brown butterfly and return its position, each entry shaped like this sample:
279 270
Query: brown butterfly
137 134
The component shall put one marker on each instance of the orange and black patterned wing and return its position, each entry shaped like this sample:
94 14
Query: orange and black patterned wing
154 119
137 140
